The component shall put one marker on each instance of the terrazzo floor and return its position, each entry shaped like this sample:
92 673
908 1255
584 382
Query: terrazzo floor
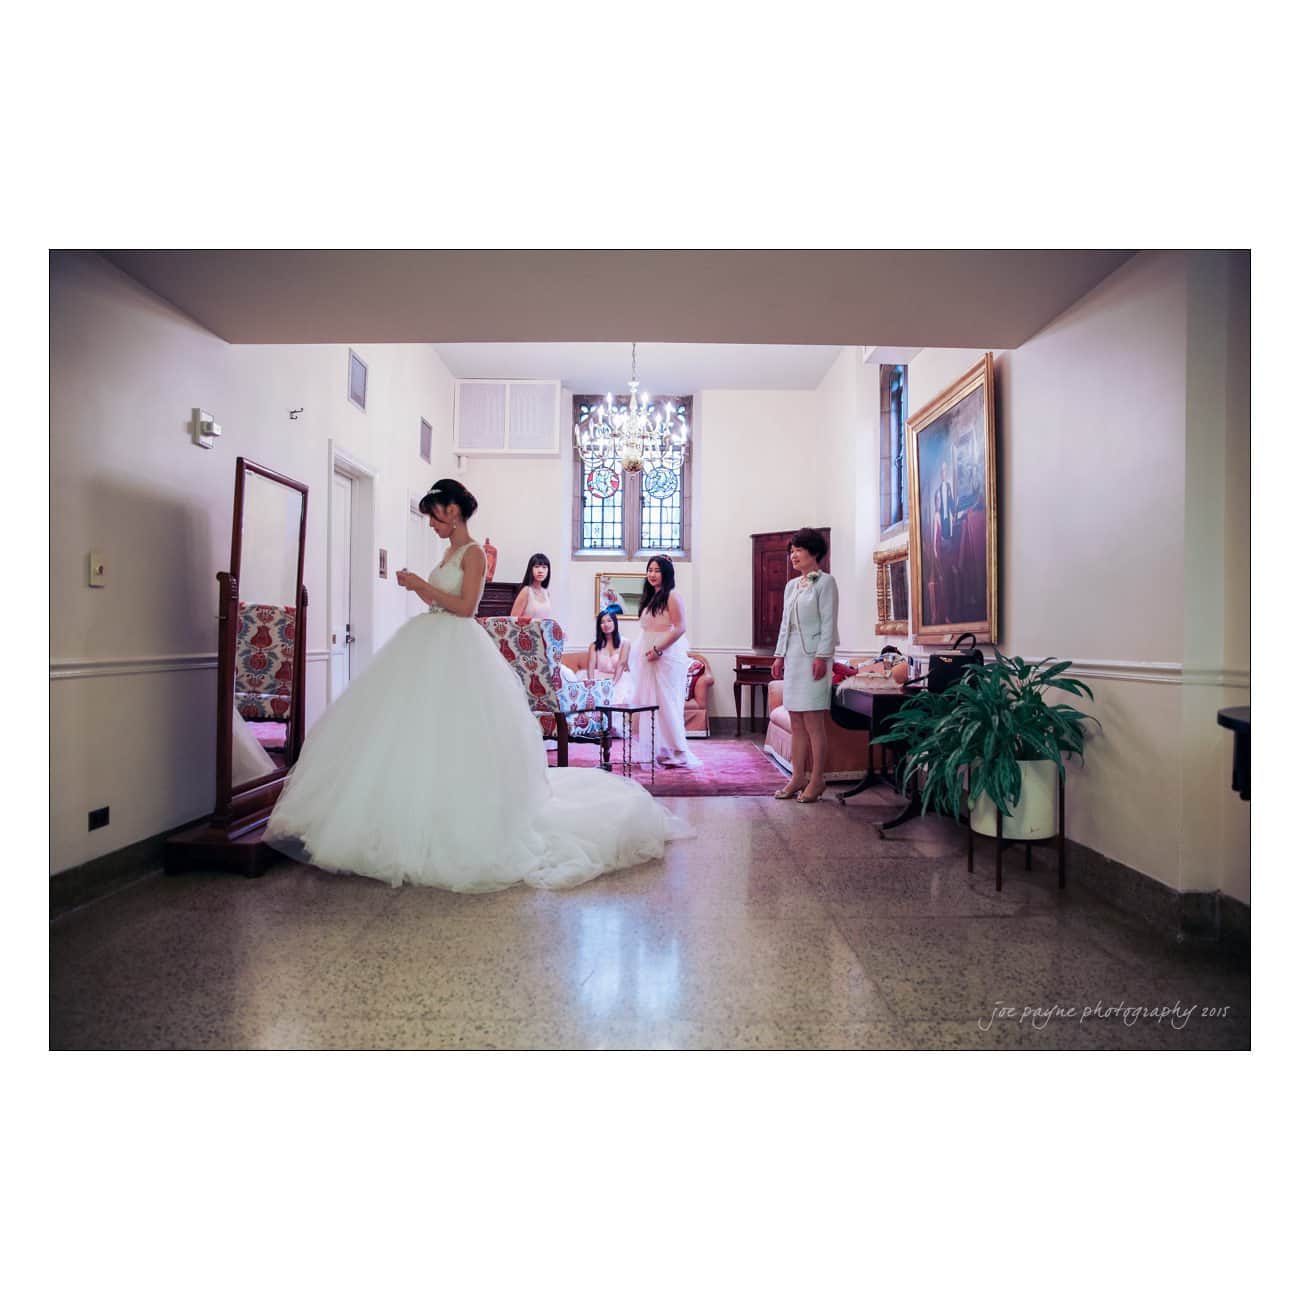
777 926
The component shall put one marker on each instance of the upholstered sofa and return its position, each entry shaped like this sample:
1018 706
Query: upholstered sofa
565 711
697 701
848 752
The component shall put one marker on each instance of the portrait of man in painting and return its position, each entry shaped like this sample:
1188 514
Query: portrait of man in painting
951 511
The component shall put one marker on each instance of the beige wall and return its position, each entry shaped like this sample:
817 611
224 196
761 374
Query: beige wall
1123 503
128 481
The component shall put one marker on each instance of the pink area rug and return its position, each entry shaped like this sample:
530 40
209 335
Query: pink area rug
730 767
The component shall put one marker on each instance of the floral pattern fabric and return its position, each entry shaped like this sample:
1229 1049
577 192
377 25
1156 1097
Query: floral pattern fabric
264 644
533 647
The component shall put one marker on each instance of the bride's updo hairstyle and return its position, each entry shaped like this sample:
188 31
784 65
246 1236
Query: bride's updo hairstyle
449 492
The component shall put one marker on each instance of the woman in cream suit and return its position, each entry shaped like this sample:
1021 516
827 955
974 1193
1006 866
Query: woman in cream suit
804 650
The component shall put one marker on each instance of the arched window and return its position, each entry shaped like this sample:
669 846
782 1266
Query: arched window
628 515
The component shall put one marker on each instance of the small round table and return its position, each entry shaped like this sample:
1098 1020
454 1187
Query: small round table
627 711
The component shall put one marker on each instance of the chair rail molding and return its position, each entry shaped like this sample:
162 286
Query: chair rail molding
69 669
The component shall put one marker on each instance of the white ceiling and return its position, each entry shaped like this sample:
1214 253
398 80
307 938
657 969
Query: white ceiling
662 368
827 298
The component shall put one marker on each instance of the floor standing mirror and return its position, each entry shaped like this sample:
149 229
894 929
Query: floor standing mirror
261 672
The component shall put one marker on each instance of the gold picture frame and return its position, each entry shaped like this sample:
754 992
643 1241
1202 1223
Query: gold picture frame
892 588
952 502
622 588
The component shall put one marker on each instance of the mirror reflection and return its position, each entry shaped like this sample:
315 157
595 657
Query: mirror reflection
266 628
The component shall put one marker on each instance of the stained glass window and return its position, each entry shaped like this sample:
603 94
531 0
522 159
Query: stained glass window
626 514
602 509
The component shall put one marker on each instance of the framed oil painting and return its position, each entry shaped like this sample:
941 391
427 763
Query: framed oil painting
952 500
622 589
892 588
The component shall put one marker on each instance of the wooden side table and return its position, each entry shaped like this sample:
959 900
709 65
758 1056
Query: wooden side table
754 671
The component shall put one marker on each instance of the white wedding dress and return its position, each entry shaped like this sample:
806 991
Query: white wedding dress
430 770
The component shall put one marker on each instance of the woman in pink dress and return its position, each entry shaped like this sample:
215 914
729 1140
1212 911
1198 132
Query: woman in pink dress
607 659
659 665
533 600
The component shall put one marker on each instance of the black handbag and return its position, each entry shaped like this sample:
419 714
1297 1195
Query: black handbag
949 666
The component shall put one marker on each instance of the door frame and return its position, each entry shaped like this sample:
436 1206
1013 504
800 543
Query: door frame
351 466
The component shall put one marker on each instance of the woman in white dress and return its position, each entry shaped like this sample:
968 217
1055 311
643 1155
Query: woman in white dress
804 650
533 600
659 665
430 769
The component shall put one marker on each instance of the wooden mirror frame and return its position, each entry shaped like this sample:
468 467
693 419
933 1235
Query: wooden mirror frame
231 837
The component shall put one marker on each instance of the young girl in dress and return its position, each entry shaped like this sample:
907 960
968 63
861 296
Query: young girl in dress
607 659
533 600
607 654
660 662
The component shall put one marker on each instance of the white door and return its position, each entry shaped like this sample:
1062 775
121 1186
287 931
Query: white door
341 637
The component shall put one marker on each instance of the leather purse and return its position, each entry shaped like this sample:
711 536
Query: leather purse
949 666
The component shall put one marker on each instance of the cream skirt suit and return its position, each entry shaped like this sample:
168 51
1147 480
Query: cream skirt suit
809 630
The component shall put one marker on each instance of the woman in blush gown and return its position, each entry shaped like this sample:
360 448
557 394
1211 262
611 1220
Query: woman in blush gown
659 663
607 660
430 769
533 600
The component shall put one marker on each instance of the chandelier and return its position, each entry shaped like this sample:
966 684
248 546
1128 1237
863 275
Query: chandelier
632 435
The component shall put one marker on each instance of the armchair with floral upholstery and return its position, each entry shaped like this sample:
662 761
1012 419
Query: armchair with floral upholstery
264 653
565 711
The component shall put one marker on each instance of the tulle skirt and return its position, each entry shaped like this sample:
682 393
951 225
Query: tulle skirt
430 770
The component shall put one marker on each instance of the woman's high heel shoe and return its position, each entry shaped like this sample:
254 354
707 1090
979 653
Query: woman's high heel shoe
806 797
788 792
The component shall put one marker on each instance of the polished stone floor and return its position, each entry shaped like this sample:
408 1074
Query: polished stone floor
777 926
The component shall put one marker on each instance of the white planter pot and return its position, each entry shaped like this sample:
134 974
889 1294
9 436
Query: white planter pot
1034 817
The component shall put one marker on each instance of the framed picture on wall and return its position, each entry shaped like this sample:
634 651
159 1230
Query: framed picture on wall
621 589
358 373
892 588
952 501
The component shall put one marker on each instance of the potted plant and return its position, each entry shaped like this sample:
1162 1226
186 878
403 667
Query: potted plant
993 735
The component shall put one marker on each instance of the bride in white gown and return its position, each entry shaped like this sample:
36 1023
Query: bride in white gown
430 769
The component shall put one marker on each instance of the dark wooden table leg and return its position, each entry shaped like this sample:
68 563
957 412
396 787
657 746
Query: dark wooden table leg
913 809
997 856
738 717
869 778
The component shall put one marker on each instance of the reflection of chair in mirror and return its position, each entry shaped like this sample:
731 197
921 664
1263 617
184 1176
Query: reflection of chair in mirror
261 672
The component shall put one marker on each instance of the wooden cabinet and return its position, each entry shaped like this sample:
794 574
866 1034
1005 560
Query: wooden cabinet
497 599
771 572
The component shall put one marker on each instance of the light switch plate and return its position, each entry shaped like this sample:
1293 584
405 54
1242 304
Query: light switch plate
203 429
98 572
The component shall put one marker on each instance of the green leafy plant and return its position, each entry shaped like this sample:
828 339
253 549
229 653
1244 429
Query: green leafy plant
986 724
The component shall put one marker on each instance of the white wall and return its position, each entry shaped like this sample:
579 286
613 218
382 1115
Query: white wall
133 682
1121 547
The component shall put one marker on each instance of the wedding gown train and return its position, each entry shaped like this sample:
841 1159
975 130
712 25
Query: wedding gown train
430 770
